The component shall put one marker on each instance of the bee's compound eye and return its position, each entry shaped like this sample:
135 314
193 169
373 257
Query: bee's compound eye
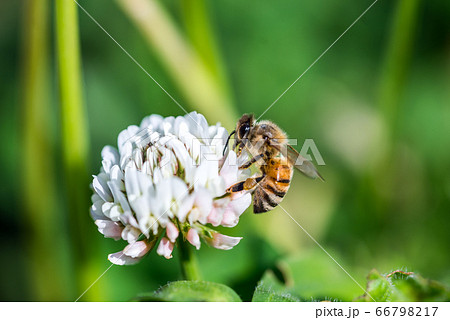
243 130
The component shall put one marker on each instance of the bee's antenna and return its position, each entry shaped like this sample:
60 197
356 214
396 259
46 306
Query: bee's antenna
228 140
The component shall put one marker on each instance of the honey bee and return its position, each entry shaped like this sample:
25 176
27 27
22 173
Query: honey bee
273 156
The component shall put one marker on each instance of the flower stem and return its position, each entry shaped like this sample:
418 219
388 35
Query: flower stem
188 261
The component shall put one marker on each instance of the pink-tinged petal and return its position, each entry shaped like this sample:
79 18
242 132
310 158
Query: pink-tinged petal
230 219
165 248
240 204
137 249
223 242
120 259
216 215
193 238
171 231
109 229
234 209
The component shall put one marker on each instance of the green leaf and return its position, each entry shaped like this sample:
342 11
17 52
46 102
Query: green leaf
269 289
192 291
403 286
378 287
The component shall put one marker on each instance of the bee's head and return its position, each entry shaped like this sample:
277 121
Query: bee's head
243 126
241 132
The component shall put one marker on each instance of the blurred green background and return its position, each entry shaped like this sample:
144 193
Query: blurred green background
376 105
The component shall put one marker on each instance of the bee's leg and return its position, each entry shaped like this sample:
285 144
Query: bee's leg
247 184
251 161
240 147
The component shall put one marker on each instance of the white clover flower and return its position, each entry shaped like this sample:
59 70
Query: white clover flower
168 179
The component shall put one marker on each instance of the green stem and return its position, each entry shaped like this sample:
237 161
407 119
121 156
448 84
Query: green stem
75 143
45 239
188 261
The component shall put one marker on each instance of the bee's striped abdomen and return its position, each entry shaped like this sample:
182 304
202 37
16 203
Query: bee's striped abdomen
272 189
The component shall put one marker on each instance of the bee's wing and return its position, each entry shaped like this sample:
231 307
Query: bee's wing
301 163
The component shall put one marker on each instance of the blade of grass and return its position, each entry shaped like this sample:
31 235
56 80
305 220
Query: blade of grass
201 34
198 84
44 236
379 185
75 145
397 60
